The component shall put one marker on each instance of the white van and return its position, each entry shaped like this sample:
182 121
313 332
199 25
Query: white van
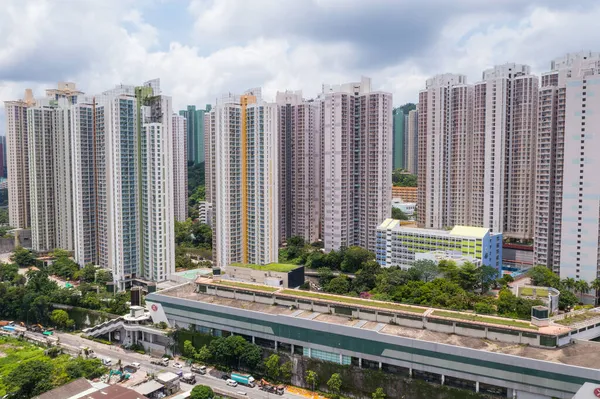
231 383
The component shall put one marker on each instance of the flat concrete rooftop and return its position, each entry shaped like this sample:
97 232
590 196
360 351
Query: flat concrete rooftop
583 354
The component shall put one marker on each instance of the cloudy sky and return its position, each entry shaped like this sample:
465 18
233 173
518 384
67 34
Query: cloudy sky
203 48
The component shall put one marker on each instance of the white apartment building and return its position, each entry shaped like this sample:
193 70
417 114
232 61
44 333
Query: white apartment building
180 167
444 152
567 180
205 213
477 151
243 151
50 168
412 142
550 173
505 127
17 160
299 166
87 161
157 195
356 163
40 126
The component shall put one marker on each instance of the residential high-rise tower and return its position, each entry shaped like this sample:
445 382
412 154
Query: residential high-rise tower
356 163
180 166
412 142
444 141
567 185
195 132
244 154
17 155
299 167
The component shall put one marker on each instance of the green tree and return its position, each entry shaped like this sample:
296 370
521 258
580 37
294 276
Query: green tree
88 273
582 287
567 300
569 283
339 285
251 356
286 371
86 368
311 378
30 378
398 214
424 269
8 272
103 276
366 277
379 394
487 277
335 384
63 266
468 276
449 270
325 276
23 257
202 392
595 285
203 355
543 277
272 367
188 349
354 258
61 319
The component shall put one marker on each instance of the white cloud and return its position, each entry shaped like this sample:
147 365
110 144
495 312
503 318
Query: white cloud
100 43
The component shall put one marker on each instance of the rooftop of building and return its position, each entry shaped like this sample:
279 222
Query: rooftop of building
583 354
457 231
270 267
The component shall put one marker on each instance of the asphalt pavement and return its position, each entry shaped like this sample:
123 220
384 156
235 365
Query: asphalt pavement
75 342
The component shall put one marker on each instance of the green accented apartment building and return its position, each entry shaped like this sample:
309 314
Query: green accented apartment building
195 132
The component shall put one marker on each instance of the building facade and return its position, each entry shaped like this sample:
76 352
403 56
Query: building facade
195 133
580 196
299 167
356 163
444 162
244 157
412 142
399 138
180 166
551 165
17 156
50 168
397 245
505 129
382 338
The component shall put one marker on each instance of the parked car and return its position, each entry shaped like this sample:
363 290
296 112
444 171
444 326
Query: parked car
136 365
107 361
232 383
177 365
225 377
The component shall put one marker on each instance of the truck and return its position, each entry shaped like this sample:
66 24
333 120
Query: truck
188 378
161 362
264 385
244 379
198 369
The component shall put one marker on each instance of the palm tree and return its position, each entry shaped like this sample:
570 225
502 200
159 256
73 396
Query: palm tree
569 283
582 287
595 285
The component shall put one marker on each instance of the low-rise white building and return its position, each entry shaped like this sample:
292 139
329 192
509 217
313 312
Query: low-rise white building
398 246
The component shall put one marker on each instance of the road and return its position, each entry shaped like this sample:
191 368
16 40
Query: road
75 342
